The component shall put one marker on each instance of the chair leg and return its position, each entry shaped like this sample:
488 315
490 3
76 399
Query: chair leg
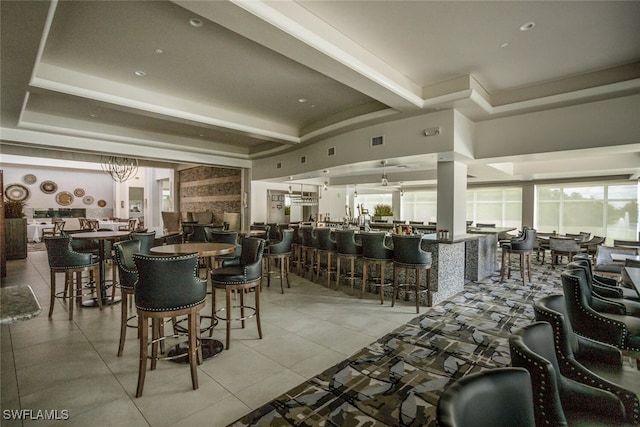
395 285
287 271
529 265
228 297
258 314
282 267
52 300
193 356
155 335
338 272
428 280
364 278
524 278
503 266
382 268
143 325
123 322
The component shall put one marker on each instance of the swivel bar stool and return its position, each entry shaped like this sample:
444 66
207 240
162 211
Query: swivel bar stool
280 252
296 246
128 274
63 259
167 287
308 253
347 249
326 247
241 274
408 255
522 246
374 251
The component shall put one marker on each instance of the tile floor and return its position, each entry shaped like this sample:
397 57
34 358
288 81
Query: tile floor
57 364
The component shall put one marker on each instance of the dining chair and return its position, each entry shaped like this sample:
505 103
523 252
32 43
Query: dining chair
563 246
559 400
479 399
56 230
587 361
168 287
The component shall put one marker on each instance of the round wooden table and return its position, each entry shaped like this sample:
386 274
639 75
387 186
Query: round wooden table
210 347
101 237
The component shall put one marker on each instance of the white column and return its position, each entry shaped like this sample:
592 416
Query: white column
452 197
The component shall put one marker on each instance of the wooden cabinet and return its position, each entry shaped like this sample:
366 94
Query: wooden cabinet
15 238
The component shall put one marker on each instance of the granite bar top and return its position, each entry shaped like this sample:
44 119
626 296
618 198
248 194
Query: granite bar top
18 303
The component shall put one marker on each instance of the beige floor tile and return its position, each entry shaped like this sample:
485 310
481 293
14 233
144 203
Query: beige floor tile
264 391
220 414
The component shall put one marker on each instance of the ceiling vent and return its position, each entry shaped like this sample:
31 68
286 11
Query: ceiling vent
331 151
303 159
377 140
279 165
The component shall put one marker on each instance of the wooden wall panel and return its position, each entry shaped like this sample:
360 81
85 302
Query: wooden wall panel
212 189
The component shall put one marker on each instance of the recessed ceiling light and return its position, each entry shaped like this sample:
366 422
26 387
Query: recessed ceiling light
195 22
158 51
302 100
503 45
528 26
140 73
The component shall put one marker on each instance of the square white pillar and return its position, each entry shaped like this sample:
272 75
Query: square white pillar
452 197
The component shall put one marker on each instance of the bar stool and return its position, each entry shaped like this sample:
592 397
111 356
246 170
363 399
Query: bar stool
63 259
326 246
241 274
280 252
296 246
168 286
347 249
214 235
147 241
308 253
522 246
128 274
375 252
408 255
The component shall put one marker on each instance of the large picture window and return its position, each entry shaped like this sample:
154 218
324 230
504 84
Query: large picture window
420 206
602 209
497 205
369 202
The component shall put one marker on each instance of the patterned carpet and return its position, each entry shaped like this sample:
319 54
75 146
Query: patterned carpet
397 380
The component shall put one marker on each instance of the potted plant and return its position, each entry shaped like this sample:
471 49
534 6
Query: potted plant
15 226
382 212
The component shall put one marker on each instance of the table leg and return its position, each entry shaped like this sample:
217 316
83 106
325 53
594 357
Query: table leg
101 282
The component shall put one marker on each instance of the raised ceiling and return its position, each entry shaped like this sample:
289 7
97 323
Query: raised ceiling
237 80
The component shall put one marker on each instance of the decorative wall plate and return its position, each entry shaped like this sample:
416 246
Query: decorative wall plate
78 192
87 200
16 192
48 187
102 203
29 178
64 198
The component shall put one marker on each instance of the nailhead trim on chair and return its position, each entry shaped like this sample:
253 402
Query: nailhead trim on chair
586 375
538 364
172 308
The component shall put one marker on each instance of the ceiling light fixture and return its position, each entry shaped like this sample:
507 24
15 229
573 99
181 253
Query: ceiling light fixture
195 22
326 181
302 100
120 169
140 73
355 191
385 180
528 26
401 190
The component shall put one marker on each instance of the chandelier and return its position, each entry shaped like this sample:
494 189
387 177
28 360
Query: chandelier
120 168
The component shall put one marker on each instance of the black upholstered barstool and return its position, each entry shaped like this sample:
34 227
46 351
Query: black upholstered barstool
62 259
241 274
522 246
296 246
280 252
408 255
376 253
128 274
167 287
308 252
326 247
347 249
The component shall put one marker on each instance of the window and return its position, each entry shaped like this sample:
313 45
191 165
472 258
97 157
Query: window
499 205
420 206
602 209
369 201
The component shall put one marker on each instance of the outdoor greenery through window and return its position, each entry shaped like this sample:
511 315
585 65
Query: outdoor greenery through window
369 202
602 209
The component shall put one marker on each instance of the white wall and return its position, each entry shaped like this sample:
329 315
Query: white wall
95 184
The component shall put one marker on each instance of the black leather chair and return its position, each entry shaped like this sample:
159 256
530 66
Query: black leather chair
217 235
296 246
198 236
63 259
619 330
587 361
308 252
607 299
347 249
147 240
559 400
241 274
377 253
522 246
280 252
128 275
326 247
495 397
409 255
607 286
168 286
